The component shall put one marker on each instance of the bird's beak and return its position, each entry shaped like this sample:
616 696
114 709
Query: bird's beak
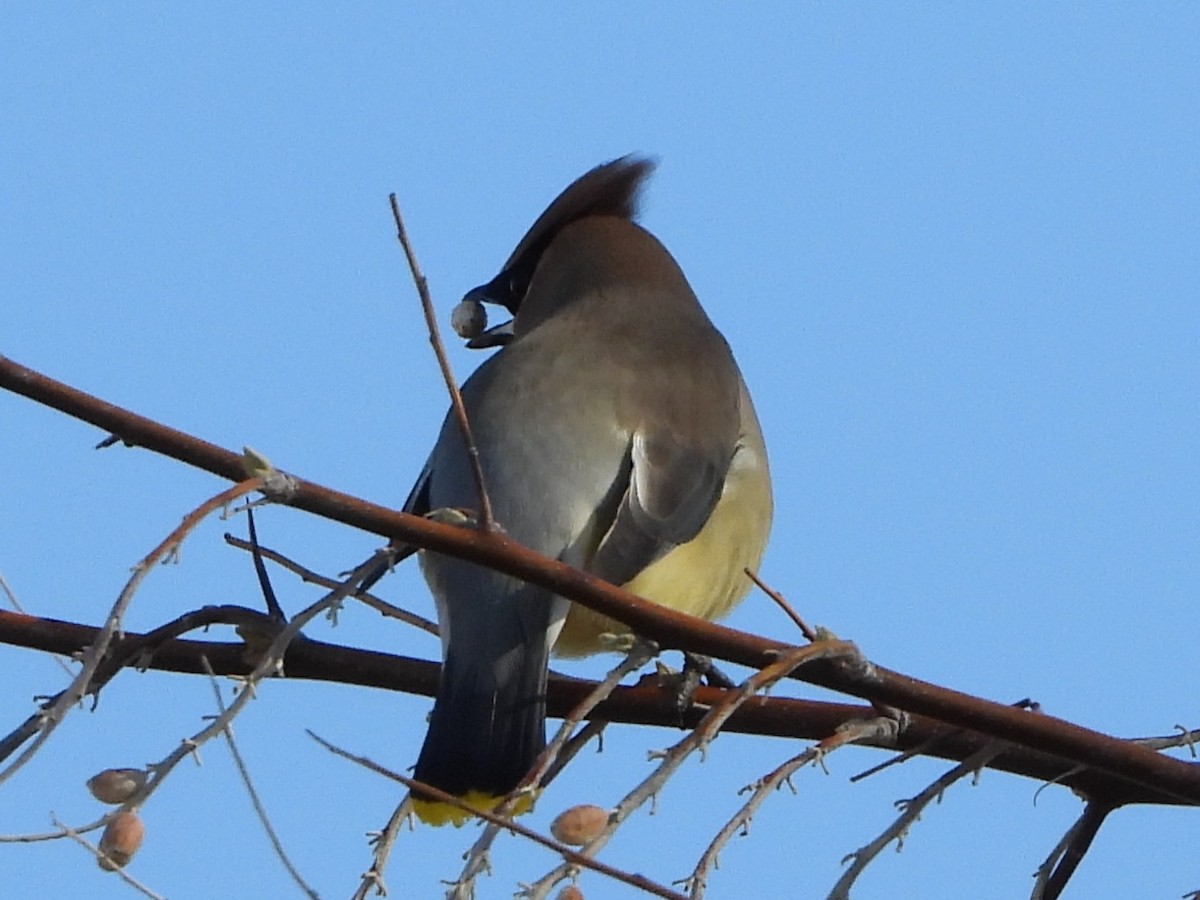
496 336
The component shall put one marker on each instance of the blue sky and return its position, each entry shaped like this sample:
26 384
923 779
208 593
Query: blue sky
954 250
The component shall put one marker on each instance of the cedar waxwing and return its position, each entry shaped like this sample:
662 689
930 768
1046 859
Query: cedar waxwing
615 434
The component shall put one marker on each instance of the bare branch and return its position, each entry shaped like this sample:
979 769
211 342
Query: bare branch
132 650
910 811
740 821
856 731
372 879
639 704
270 663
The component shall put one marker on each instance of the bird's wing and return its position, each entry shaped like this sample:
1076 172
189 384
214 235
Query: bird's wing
671 490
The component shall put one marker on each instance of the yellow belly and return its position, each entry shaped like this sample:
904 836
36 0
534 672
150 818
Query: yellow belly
705 576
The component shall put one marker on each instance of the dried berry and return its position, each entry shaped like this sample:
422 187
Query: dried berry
121 839
579 824
116 785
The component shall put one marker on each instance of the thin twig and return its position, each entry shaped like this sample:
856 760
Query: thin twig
259 809
73 834
274 610
372 879
639 654
924 747
16 604
637 881
307 575
456 401
910 811
138 650
1053 874
882 728
740 821
579 740
809 634
270 663
1183 738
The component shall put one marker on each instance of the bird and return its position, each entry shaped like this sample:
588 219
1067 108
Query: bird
615 433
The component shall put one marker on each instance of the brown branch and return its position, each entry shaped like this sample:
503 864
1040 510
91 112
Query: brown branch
637 705
16 604
1135 773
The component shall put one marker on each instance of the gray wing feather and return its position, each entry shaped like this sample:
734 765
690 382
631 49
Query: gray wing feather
672 490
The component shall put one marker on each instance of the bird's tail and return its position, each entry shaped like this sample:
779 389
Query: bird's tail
488 725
